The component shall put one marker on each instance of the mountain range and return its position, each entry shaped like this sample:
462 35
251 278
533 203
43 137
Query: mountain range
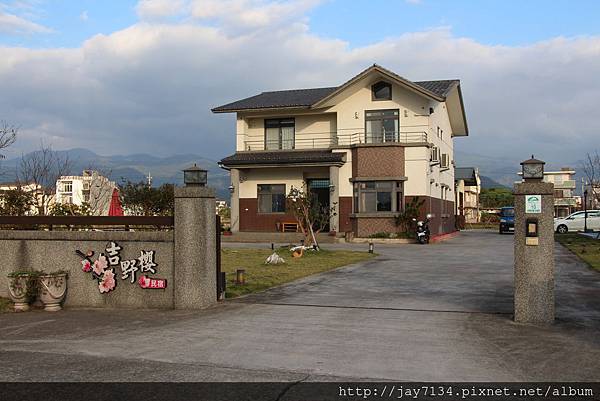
495 172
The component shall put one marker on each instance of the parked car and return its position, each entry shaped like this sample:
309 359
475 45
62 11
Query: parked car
507 219
576 222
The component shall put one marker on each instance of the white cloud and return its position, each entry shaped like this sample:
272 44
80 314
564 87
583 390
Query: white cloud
13 24
150 87
84 16
156 9
244 14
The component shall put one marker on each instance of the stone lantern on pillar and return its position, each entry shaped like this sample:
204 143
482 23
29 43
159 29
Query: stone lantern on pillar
534 245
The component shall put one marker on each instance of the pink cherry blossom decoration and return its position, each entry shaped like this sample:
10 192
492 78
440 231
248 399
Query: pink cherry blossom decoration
86 266
108 281
100 264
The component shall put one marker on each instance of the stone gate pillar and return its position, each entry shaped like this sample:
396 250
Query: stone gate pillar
195 254
534 246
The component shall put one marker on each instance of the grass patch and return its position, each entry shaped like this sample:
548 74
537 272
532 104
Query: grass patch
5 305
260 276
587 249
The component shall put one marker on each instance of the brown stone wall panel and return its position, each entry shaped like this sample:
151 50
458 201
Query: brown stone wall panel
438 224
379 161
369 225
251 220
344 211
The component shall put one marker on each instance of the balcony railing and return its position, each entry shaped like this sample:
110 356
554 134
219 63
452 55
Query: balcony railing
567 184
324 140
565 202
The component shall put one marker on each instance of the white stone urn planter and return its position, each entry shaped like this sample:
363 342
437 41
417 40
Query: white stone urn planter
53 288
21 286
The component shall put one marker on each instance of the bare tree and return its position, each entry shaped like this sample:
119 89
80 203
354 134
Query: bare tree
8 135
42 169
312 217
591 170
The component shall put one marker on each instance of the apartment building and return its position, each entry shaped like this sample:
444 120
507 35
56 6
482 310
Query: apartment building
467 190
365 147
90 187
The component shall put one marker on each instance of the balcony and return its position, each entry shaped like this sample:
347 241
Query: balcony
341 138
567 184
471 204
565 202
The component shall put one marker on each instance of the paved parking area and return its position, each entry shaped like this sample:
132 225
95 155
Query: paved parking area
440 312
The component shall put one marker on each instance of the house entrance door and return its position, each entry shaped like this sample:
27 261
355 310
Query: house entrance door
320 190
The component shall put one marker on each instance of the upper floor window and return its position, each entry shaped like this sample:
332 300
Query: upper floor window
67 186
382 126
381 91
279 133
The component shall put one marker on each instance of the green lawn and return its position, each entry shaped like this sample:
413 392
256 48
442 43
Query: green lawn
260 276
586 248
5 305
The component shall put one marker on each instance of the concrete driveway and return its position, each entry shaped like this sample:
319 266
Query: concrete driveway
440 312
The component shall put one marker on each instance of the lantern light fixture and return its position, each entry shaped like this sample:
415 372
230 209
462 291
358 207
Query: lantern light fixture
194 176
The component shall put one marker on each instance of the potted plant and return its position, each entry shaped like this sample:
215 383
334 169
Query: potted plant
21 288
53 287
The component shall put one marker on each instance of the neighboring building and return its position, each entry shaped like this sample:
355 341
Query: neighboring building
593 196
467 191
564 191
220 205
9 186
90 187
367 147
565 201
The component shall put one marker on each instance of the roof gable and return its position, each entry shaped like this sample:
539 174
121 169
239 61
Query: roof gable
395 78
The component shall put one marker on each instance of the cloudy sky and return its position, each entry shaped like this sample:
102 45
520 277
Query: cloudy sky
124 76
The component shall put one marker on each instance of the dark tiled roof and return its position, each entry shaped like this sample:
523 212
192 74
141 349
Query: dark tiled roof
307 97
286 98
440 88
283 157
465 173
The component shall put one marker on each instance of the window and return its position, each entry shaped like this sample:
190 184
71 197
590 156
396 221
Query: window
279 134
381 126
271 198
68 199
435 154
445 161
381 91
67 186
378 196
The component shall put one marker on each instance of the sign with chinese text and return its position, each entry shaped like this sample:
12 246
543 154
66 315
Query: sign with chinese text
533 203
103 268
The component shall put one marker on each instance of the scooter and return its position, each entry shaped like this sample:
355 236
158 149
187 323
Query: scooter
423 232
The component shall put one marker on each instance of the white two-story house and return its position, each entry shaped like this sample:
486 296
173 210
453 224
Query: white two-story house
366 147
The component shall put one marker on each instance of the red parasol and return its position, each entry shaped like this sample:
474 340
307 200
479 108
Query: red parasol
115 208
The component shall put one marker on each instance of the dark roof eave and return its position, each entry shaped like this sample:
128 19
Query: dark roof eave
218 110
228 166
